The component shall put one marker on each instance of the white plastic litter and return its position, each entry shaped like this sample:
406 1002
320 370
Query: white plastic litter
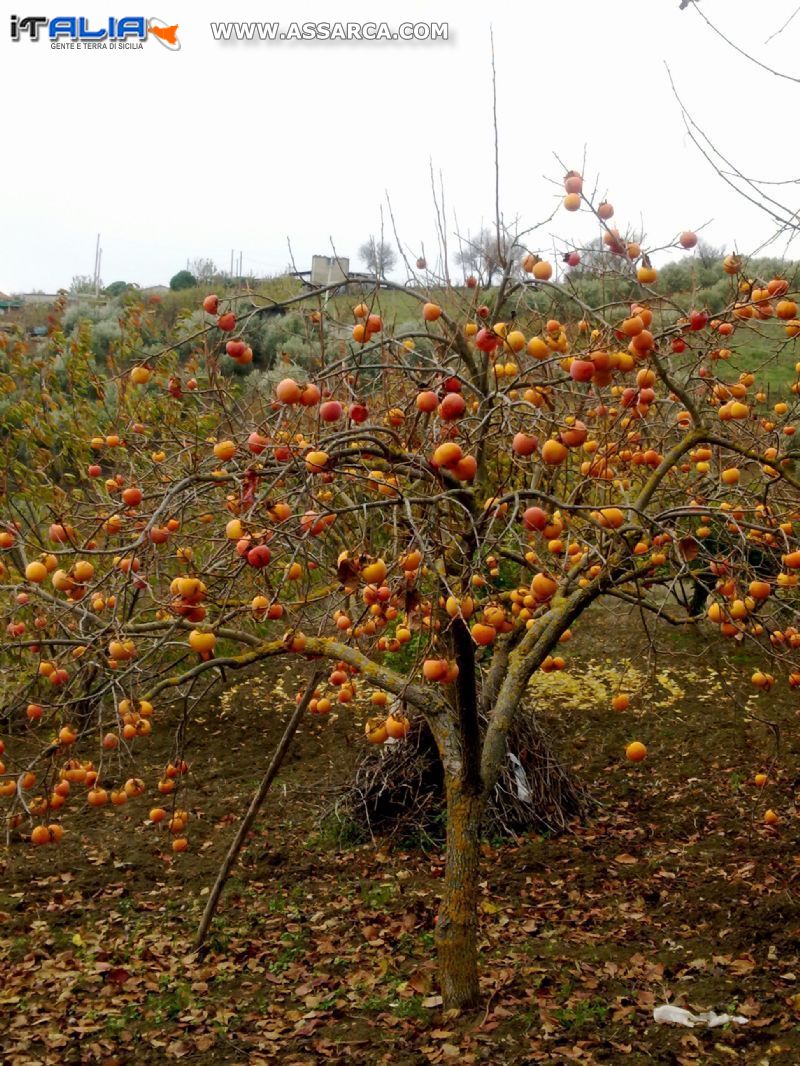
523 792
669 1015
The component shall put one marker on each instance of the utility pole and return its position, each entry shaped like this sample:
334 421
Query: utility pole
98 255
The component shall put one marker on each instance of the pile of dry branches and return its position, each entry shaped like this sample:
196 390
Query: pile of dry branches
398 789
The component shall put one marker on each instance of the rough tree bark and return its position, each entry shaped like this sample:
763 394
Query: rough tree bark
457 925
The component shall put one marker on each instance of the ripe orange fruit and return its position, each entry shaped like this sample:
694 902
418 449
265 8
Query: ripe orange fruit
225 449
612 517
770 817
554 452
760 780
483 635
621 702
200 641
374 573
632 326
121 650
466 468
448 454
316 461
515 341
35 572
288 391
636 751
375 731
434 669
397 726
543 587
140 375
537 348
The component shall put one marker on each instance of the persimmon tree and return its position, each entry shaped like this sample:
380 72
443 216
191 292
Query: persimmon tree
456 493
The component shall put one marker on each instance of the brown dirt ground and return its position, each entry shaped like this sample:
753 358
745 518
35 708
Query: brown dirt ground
322 950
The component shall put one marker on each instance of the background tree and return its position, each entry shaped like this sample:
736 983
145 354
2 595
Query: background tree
116 288
204 269
378 256
709 255
485 255
83 285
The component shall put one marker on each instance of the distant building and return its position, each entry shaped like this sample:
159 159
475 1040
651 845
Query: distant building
9 303
329 270
155 290
38 297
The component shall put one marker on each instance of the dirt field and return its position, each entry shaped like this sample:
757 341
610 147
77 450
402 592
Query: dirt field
323 949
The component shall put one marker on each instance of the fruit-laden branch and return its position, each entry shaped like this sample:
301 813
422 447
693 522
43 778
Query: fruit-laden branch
748 453
377 674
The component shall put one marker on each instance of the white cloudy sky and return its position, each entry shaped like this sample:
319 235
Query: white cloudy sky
175 155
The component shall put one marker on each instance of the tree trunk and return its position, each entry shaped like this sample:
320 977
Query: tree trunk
457 926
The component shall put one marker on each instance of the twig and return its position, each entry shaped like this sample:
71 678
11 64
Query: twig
791 18
741 51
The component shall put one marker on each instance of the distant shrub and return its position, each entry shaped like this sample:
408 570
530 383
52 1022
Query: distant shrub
184 279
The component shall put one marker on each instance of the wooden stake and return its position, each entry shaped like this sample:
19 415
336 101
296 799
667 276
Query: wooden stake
255 807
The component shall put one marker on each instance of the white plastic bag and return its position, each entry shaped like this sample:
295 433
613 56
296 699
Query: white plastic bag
523 792
669 1015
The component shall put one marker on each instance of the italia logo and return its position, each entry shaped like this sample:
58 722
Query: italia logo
78 29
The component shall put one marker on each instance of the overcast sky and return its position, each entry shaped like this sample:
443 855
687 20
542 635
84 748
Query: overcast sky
172 155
